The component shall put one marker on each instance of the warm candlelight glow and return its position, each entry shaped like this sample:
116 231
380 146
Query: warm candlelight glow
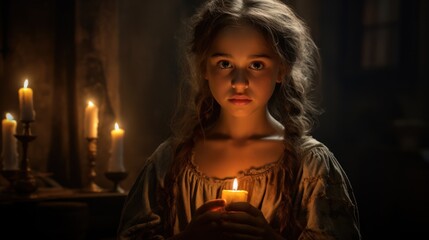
9 116
91 120
9 154
234 195
116 161
26 103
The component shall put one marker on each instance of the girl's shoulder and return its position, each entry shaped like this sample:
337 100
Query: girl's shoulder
317 159
163 151
308 144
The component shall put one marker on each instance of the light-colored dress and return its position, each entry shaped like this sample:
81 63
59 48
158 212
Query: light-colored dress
324 202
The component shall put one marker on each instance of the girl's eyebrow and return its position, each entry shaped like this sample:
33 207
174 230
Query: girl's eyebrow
262 55
219 54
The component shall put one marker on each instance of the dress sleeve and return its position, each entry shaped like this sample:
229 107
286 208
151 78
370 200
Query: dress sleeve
327 206
140 218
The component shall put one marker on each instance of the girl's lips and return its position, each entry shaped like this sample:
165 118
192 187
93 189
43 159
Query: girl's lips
239 101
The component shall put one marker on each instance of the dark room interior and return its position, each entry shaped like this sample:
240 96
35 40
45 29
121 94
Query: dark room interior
126 56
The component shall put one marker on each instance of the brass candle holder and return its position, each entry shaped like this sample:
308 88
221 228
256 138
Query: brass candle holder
116 178
25 182
91 154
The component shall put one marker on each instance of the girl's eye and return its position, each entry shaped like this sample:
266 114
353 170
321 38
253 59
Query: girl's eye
257 65
224 64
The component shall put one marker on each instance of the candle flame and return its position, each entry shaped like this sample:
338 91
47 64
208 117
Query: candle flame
26 83
235 185
116 126
90 104
9 116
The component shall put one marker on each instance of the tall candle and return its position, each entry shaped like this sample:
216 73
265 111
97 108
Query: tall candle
234 195
9 150
91 120
26 102
116 161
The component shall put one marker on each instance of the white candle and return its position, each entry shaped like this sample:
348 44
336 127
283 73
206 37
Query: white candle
26 102
9 151
116 161
91 120
234 195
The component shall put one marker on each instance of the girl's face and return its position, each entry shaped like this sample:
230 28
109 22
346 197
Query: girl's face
242 71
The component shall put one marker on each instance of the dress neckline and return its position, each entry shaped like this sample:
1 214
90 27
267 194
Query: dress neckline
253 172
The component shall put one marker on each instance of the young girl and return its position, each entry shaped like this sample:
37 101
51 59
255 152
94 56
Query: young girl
249 116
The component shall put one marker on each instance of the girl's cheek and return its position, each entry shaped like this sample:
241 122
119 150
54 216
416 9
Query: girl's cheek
220 73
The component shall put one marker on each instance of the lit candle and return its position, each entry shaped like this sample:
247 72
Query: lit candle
26 103
91 120
234 195
9 151
116 161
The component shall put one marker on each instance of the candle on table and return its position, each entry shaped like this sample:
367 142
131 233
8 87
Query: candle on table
26 103
9 151
91 120
116 161
234 195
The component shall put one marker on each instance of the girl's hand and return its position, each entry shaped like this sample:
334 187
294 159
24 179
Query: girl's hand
205 222
243 221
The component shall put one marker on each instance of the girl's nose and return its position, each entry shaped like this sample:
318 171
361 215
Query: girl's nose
239 80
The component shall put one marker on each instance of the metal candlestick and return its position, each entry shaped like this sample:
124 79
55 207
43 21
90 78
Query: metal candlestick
92 153
25 182
116 177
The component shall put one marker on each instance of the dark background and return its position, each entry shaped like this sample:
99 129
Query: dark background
126 55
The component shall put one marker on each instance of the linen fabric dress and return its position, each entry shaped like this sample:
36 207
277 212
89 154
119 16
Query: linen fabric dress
324 201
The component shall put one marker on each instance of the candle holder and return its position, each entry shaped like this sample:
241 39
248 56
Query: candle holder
116 178
25 182
92 153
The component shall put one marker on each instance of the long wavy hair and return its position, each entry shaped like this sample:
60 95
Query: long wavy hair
291 103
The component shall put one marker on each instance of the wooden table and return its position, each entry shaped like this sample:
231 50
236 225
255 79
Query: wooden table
60 213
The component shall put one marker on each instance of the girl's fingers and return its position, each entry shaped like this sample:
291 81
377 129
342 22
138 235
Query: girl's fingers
243 218
209 216
244 207
210 205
